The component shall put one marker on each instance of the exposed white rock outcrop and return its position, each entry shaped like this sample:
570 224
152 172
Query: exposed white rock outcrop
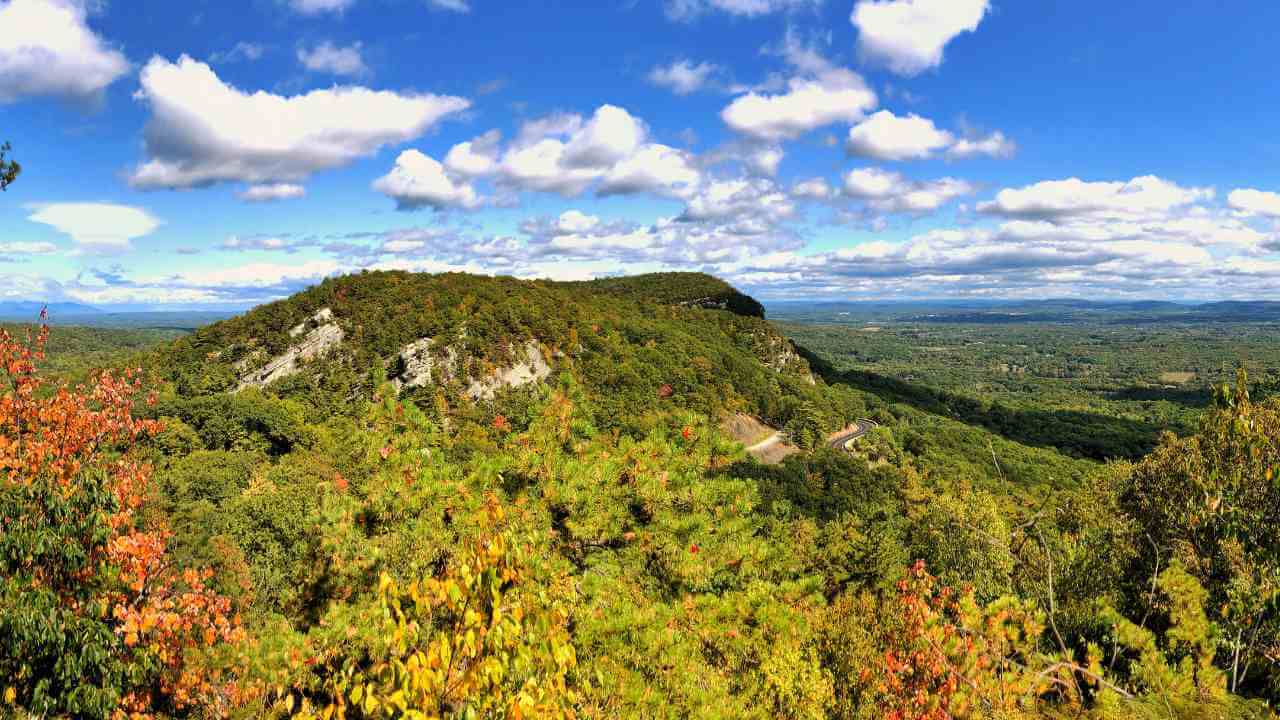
531 368
322 338
322 316
419 366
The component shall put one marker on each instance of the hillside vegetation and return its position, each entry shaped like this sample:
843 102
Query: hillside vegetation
638 345
342 543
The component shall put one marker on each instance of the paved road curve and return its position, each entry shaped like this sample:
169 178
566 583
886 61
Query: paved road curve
845 440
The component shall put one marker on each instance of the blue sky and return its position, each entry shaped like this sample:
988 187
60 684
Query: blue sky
220 154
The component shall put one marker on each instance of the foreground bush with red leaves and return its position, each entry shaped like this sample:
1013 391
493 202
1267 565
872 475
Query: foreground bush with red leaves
95 621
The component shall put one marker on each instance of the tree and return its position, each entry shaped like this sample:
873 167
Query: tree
8 168
484 640
94 620
1209 503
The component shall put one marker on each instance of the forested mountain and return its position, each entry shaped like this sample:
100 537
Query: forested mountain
404 495
638 345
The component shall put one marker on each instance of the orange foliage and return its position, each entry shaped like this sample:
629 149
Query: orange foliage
54 440
952 658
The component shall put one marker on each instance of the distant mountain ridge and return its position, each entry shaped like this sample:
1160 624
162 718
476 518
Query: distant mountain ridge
29 310
1055 310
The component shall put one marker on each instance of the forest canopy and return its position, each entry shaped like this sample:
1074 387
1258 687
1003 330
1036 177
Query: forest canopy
594 544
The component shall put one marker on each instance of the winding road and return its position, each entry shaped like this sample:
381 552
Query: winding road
841 441
844 440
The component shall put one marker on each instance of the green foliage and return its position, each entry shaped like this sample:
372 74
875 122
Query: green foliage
692 289
640 346
248 420
9 169
482 641
1208 502
593 546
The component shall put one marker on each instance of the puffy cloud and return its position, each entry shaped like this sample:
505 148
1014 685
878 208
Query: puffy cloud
572 221
541 167
813 189
1255 202
977 261
475 157
993 145
654 168
685 10
47 49
683 77
885 136
908 36
419 181
567 154
97 227
203 131
665 243
764 160
329 58
1059 199
1169 242
272 191
891 192
750 204
611 135
835 95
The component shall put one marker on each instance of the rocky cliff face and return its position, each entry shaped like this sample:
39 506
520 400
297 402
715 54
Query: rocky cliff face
780 355
418 363
324 336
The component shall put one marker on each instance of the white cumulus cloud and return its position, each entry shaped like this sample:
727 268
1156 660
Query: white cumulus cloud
419 181
885 136
47 49
1255 202
834 95
993 145
1073 197
203 131
891 192
908 36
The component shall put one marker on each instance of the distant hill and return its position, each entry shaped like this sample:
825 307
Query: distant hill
1004 312
29 311
635 344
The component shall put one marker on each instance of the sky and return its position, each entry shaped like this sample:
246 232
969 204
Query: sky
222 153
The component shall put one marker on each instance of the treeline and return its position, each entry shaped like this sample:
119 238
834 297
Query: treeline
679 288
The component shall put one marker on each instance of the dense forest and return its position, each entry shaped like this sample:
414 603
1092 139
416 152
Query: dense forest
184 538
